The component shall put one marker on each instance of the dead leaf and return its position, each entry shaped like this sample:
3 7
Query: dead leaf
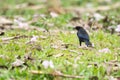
4 56
106 19
28 56
18 63
94 24
53 14
37 16
43 37
35 7
112 78
57 45
98 16
75 19
37 47
73 51
20 23
111 29
111 66
23 5
58 55
5 21
105 50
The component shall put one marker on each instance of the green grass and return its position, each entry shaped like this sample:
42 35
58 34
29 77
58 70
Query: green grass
74 61
64 63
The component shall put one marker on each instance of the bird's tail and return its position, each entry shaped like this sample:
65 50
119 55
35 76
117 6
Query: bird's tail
88 43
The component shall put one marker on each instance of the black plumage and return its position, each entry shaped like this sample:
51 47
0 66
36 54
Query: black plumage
83 36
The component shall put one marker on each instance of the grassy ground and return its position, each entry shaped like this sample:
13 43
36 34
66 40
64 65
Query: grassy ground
73 60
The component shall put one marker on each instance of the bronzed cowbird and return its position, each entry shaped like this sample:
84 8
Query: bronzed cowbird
83 36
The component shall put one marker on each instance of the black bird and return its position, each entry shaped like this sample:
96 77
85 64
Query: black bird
83 36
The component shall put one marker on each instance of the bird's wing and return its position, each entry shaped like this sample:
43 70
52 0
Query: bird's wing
83 35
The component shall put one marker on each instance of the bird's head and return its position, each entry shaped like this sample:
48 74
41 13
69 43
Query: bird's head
78 27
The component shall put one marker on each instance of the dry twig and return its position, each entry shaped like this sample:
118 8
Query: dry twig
15 37
56 73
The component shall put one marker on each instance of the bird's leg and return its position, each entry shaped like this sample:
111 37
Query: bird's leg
80 42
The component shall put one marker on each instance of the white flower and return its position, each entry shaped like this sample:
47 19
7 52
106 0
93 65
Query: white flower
118 28
34 39
51 64
47 64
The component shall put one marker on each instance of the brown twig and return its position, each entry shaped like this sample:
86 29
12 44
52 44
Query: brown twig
56 74
15 37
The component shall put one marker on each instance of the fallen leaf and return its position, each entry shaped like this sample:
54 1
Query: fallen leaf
112 78
43 37
55 46
23 5
111 29
35 7
98 16
75 19
17 63
73 51
28 56
20 23
53 14
4 56
37 47
58 45
50 24
111 66
37 16
5 21
58 55
105 50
